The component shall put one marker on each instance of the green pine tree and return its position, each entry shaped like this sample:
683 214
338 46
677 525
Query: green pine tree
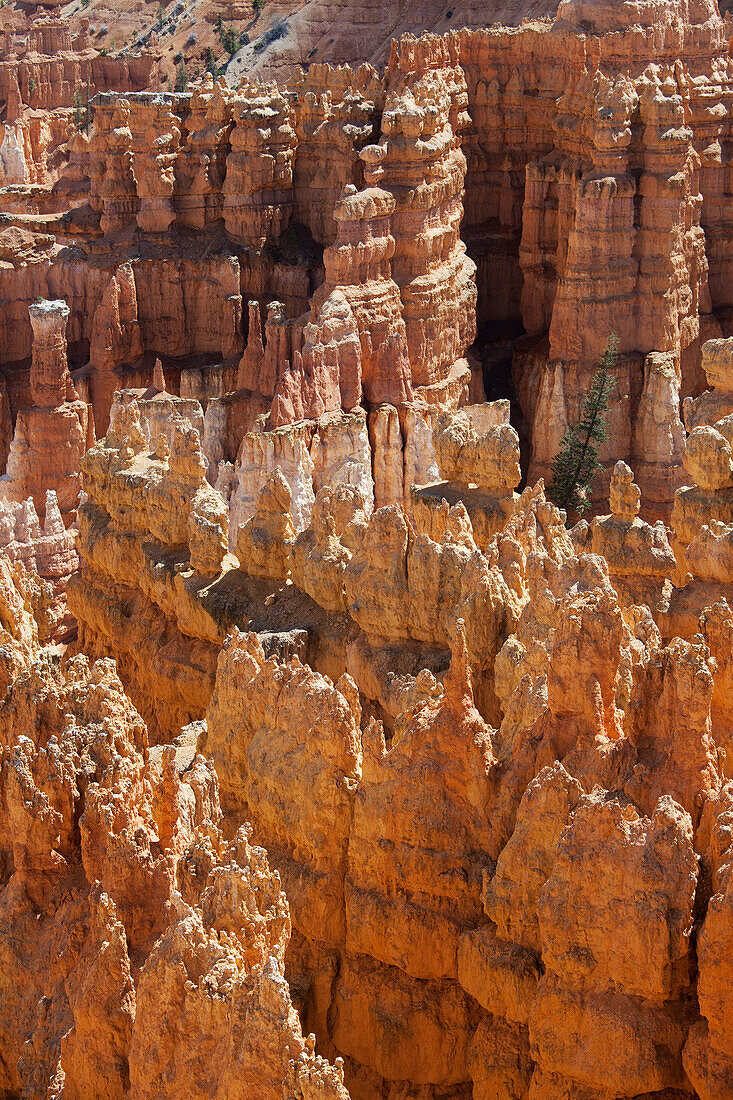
576 463
210 62
181 78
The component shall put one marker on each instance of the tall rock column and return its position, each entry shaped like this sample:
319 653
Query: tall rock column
673 285
424 169
52 436
103 113
156 138
113 191
116 338
359 266
250 365
596 268
201 173
356 339
659 438
258 189
332 126
544 213
50 379
550 421
578 264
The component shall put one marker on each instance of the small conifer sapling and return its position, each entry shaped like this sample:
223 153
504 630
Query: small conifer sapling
576 462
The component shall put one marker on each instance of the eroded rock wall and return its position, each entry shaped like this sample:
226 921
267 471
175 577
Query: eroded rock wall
492 802
488 757
150 940
546 150
483 880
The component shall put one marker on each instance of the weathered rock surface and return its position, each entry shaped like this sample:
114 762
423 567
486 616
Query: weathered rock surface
511 173
47 552
487 784
52 435
639 556
488 758
155 947
477 452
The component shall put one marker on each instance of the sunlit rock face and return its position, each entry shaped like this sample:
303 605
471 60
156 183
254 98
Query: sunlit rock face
333 761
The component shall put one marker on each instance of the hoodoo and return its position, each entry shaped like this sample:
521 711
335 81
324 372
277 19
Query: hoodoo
52 436
338 757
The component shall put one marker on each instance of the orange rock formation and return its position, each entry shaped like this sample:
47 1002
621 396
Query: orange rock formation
155 943
443 832
52 435
43 68
308 592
